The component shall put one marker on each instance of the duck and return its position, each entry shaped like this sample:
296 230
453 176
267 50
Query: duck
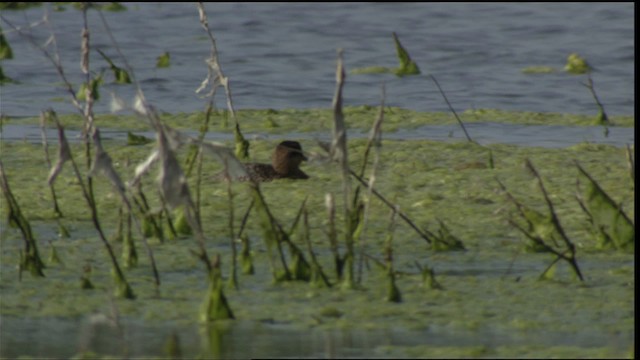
285 164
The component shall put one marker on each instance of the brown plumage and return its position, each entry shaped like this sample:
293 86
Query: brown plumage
285 164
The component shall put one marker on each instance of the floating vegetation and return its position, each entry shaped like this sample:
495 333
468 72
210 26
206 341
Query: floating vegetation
539 70
18 5
164 60
577 65
133 139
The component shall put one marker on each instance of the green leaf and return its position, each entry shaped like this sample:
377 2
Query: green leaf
85 283
393 293
129 252
407 66
577 65
215 306
95 83
163 60
181 224
242 145
429 279
246 260
601 118
550 273
123 290
5 49
300 268
4 79
445 240
612 226
53 256
122 76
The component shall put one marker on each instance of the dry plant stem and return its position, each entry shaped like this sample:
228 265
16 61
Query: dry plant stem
451 108
332 234
103 160
538 240
194 224
375 136
554 218
199 157
592 90
367 207
89 96
94 215
339 152
424 234
31 249
167 213
45 146
298 215
232 237
340 135
600 190
154 121
376 132
246 217
154 268
388 246
307 239
215 64
275 228
53 58
143 208
571 259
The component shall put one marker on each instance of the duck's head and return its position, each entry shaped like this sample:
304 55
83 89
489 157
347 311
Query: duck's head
287 158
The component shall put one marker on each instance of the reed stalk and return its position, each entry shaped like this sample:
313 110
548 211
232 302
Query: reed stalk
374 137
30 258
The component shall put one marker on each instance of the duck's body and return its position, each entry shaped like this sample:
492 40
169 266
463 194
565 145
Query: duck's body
285 164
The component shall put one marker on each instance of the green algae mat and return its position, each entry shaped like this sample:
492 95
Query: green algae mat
489 296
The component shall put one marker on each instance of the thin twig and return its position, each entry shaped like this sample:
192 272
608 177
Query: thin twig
604 119
423 234
451 108
374 137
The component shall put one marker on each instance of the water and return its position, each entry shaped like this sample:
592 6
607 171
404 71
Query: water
246 339
283 55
